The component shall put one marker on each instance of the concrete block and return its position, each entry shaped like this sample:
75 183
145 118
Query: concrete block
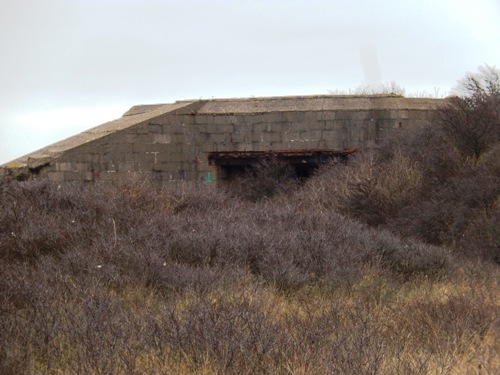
217 119
222 147
55 176
200 119
229 120
328 145
170 167
261 128
304 116
327 115
315 125
310 135
172 128
134 139
338 125
64 167
303 144
329 135
244 146
143 157
381 114
272 117
176 156
201 138
96 158
291 126
82 167
209 146
359 115
86 157
244 128
158 167
339 144
126 166
162 138
123 147
186 119
301 126
257 118
188 138
154 128
277 127
291 136
342 115
349 143
163 120
188 149
356 133
220 137
328 125
240 137
402 114
293 145
162 157
218 128
267 137
385 124
156 147
265 146
177 139
402 124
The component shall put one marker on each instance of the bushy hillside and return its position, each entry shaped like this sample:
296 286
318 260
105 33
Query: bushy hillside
386 264
126 279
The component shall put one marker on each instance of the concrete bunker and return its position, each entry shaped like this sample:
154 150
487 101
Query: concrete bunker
213 141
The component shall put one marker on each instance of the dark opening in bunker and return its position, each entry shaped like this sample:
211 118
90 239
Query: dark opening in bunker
232 165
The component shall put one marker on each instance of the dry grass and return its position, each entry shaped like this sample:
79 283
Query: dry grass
94 279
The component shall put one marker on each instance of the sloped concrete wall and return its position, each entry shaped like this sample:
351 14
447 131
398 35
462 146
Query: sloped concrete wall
173 147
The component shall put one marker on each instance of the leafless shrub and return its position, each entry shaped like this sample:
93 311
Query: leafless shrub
369 189
225 285
471 121
471 125
270 177
481 238
385 88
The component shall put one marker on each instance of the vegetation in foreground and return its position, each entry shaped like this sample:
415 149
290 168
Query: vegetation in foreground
124 279
386 265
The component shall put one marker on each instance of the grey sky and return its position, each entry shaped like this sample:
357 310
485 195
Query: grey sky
67 65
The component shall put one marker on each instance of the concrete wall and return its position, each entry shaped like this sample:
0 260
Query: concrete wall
173 147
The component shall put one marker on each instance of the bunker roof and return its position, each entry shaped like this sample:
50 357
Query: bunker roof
315 103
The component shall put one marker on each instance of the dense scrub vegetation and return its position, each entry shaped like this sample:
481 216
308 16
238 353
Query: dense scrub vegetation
385 265
126 279
440 185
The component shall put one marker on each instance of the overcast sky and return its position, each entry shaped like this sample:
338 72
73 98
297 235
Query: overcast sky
68 65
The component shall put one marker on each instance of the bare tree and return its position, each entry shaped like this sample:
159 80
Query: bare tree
471 120
484 82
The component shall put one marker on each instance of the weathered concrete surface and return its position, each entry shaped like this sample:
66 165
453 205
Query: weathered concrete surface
170 142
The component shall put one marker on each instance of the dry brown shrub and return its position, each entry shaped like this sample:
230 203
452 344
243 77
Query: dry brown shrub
367 188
